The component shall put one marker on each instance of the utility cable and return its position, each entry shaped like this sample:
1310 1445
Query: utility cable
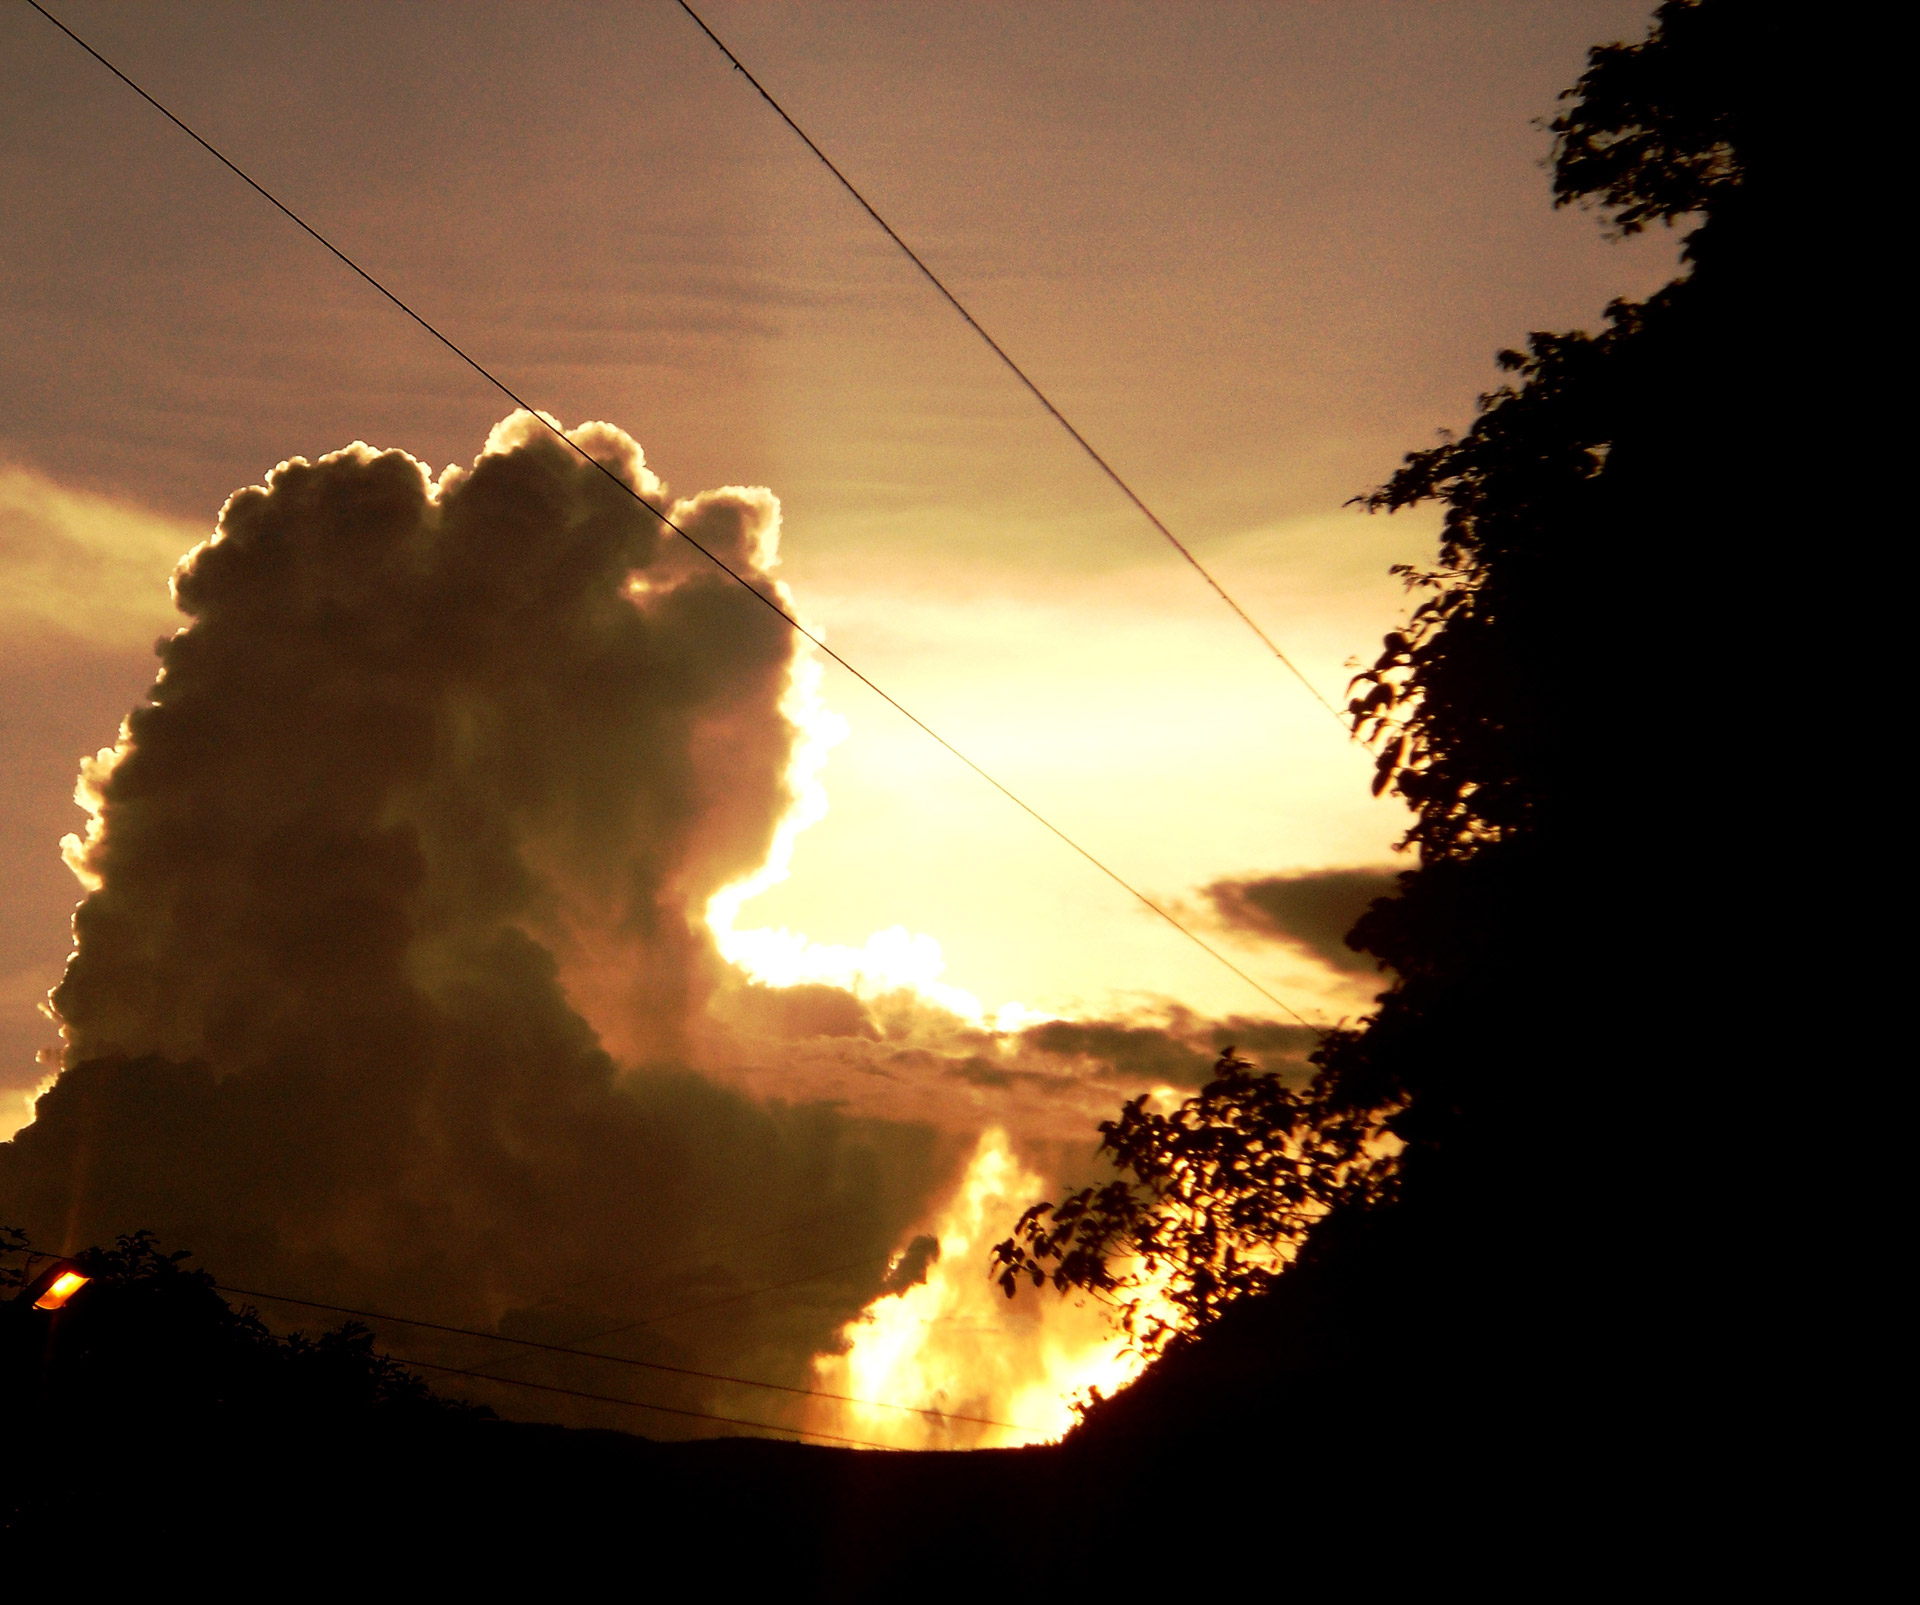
732 1298
1013 367
636 1404
604 1398
653 1271
712 557
615 1359
735 1298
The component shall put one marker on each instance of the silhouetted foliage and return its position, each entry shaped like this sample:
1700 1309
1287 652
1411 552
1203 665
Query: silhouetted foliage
1466 703
148 1374
1481 708
150 1335
1223 1190
1665 128
14 1263
1522 713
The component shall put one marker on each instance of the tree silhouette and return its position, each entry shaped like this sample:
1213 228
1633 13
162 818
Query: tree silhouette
1222 1191
149 1355
1526 714
151 1330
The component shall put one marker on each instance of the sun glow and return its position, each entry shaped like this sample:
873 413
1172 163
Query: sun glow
820 730
892 960
995 1372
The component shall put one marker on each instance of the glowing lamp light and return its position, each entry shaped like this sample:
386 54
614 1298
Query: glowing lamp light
62 1288
56 1285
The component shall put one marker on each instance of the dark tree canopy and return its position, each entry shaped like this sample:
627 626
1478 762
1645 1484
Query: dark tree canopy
1527 715
153 1333
149 1385
1665 129
1489 707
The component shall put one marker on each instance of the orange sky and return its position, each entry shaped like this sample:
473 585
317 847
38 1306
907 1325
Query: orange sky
1256 251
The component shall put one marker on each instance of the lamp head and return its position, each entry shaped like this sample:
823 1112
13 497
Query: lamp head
54 1287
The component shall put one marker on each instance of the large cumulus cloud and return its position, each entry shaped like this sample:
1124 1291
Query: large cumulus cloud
393 985
412 726
384 984
83 593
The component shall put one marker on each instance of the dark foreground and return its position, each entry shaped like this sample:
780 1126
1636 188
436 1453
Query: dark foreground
1347 1428
375 1503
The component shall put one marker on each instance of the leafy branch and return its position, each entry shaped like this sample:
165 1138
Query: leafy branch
1213 1200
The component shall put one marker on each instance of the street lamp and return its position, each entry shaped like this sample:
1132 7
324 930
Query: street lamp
54 1286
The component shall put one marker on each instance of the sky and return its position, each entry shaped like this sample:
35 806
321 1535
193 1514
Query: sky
1255 252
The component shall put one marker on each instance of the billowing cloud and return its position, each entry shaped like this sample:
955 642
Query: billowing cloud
394 945
83 594
1310 909
412 729
1149 1052
1048 1084
397 981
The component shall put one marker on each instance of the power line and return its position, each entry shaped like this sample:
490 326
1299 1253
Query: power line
736 1298
653 1271
615 1359
576 1393
712 557
1017 371
733 1298
618 1359
637 1404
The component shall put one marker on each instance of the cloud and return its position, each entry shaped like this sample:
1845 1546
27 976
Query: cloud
807 1009
911 1264
395 987
1310 909
1179 1050
1049 1084
1140 1051
393 959
62 694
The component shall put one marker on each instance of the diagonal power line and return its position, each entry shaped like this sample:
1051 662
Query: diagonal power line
1013 367
712 557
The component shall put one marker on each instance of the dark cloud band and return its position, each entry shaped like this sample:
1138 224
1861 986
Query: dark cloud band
1312 910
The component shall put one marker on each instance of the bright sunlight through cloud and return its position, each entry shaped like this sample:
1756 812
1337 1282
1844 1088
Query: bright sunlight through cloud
954 1344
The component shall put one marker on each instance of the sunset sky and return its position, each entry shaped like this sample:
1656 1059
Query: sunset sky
1255 251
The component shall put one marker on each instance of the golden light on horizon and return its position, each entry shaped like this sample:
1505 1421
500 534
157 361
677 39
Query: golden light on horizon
996 1373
